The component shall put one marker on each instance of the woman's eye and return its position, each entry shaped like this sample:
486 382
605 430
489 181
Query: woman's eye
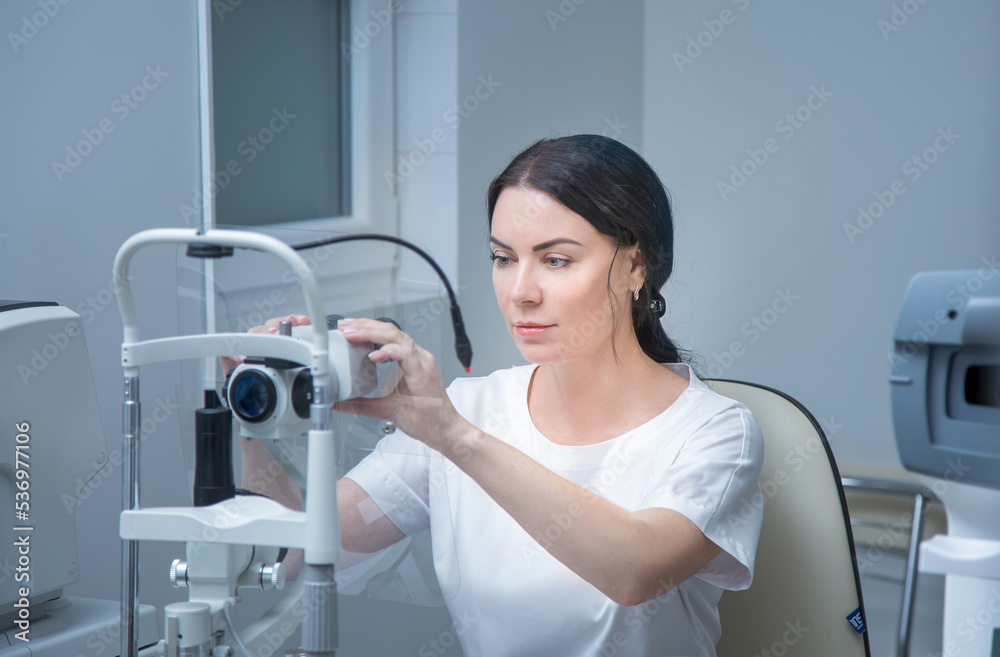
499 260
556 262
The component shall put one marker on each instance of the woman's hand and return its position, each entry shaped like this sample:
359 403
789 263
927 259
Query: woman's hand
270 326
419 405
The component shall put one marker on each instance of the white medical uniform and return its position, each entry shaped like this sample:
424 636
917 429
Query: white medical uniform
506 594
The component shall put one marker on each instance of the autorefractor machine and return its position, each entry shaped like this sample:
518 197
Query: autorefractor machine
945 387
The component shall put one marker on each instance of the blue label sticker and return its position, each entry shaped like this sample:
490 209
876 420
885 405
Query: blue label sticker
854 618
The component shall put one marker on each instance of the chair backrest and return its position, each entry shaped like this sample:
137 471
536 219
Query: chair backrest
806 581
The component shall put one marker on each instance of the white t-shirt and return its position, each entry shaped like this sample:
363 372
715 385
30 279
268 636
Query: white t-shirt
508 596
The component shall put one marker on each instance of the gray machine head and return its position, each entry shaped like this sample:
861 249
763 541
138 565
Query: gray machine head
51 445
945 379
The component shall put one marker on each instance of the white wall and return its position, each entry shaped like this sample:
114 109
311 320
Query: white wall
61 232
561 68
888 95
426 158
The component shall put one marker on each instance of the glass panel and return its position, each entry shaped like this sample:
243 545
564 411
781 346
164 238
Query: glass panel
281 111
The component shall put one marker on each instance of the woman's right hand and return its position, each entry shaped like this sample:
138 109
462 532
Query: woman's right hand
270 326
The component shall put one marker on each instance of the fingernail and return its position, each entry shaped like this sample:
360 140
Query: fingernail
272 329
372 353
348 330
345 320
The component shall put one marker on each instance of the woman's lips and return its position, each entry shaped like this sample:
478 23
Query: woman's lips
531 329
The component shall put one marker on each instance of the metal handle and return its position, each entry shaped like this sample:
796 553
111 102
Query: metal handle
233 238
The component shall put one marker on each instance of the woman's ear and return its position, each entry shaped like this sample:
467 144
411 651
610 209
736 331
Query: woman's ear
637 263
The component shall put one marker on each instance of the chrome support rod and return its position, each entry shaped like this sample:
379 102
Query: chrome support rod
910 581
130 501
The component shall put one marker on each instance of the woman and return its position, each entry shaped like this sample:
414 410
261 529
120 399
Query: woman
566 496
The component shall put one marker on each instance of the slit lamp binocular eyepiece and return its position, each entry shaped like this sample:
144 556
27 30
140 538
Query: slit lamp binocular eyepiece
271 397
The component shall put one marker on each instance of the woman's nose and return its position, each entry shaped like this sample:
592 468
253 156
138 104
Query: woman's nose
524 288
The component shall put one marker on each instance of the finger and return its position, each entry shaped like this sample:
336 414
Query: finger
230 363
371 330
403 351
275 322
294 320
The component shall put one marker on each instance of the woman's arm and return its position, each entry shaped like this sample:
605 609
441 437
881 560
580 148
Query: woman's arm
364 529
262 474
631 557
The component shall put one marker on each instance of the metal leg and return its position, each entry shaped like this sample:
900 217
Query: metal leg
319 627
130 500
910 583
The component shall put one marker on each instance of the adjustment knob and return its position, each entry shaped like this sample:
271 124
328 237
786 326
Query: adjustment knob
272 576
179 573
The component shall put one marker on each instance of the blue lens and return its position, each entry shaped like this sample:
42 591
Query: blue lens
252 396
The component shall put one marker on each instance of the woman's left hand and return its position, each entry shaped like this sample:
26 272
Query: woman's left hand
419 405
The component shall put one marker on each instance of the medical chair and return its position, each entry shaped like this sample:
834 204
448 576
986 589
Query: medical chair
806 584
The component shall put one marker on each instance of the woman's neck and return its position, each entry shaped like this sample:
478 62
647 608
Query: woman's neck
600 393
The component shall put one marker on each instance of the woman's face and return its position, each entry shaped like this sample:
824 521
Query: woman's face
550 275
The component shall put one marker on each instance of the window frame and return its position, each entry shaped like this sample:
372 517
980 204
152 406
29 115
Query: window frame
372 143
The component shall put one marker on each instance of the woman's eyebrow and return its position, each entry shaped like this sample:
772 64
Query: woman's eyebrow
538 247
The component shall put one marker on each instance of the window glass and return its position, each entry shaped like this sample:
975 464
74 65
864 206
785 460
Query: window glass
281 108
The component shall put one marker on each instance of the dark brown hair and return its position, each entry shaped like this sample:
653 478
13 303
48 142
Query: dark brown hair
615 189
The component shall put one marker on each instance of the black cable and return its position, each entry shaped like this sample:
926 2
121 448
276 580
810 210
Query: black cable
463 348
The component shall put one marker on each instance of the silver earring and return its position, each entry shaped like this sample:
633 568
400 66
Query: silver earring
635 295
